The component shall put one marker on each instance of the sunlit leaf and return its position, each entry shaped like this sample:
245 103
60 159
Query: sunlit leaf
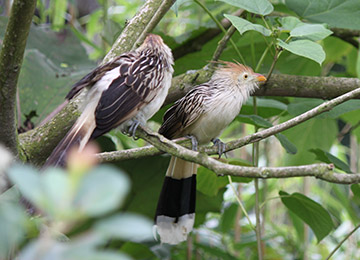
243 25
305 48
314 32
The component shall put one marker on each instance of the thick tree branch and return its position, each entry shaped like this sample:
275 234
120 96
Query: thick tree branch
235 144
286 85
278 85
11 58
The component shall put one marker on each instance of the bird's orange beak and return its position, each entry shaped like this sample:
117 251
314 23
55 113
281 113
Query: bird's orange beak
260 77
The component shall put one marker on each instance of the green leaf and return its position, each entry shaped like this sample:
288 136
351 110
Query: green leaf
314 32
290 22
262 123
254 120
336 13
57 191
311 212
127 227
216 252
297 108
137 250
266 107
58 13
285 142
12 227
243 25
102 189
28 182
208 183
314 133
262 7
305 48
358 64
326 157
227 220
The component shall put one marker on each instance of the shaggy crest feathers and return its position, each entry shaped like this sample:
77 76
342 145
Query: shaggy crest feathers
227 66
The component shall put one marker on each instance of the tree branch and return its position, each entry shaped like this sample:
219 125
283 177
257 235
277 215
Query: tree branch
235 144
279 85
322 171
11 58
286 85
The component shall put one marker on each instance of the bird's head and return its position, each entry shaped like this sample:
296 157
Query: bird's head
154 44
239 75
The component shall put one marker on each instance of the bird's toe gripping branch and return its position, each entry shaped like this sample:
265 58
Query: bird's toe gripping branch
132 129
220 145
194 142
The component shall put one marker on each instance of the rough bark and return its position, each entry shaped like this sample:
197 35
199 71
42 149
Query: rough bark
11 58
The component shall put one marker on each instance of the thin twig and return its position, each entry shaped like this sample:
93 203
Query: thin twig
223 42
322 171
342 242
235 144
240 203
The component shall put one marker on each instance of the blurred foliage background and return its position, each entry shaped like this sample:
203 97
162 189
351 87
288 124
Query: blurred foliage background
103 212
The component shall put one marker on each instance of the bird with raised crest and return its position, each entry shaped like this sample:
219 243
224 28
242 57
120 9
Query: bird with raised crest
202 114
124 92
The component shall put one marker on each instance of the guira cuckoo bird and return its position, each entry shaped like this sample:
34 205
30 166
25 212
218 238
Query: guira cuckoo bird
203 113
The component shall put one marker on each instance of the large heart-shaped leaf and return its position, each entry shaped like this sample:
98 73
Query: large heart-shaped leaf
336 13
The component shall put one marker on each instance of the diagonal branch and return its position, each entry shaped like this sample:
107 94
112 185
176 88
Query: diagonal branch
321 171
235 144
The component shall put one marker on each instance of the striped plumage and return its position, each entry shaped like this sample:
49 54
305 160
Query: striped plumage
204 112
125 91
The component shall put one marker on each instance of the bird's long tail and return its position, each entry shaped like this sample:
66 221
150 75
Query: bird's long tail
175 213
78 135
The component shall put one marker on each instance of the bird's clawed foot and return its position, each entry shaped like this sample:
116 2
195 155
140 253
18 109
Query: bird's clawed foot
194 142
132 129
220 145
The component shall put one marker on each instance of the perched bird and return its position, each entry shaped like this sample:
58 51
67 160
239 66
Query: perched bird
203 113
124 92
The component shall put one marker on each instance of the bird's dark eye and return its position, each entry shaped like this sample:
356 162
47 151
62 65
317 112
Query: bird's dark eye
246 76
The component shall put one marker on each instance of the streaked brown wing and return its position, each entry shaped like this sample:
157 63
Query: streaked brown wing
184 112
127 94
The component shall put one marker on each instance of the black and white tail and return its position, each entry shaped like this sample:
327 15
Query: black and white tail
175 213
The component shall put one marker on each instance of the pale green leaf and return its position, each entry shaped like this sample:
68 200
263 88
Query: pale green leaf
243 25
314 32
127 227
305 48
101 190
262 7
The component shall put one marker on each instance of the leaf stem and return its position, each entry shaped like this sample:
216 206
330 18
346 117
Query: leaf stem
342 242
240 203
